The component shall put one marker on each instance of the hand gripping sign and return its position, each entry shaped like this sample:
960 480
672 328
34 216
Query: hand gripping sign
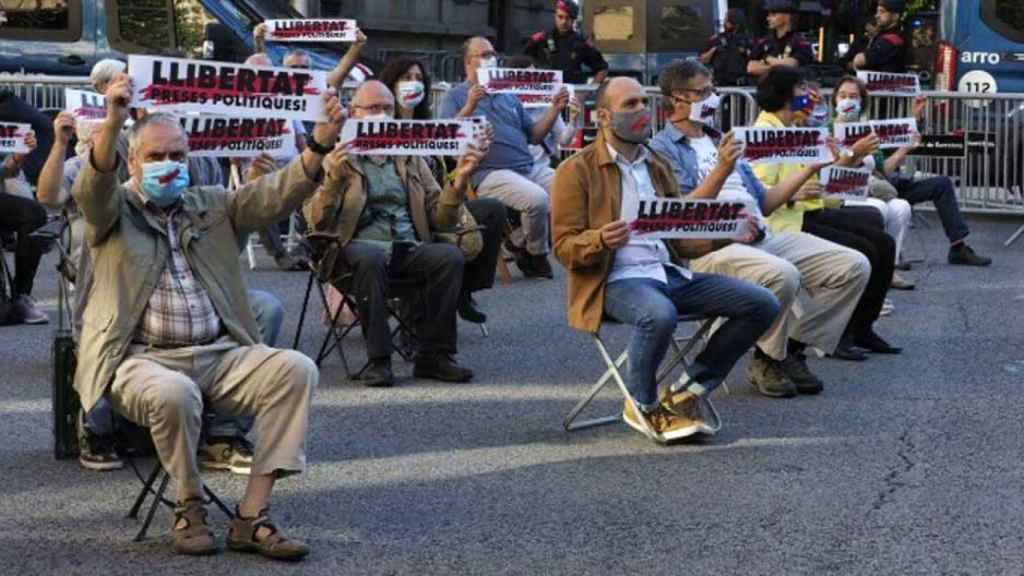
312 30
221 137
784 145
412 137
891 133
162 84
653 218
12 137
520 81
890 83
845 183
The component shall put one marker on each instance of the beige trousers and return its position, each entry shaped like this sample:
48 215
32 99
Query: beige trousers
164 390
833 275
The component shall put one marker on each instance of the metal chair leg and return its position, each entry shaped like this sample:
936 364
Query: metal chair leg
220 504
152 508
147 487
302 315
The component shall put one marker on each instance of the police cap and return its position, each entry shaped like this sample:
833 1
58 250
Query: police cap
789 6
569 7
894 6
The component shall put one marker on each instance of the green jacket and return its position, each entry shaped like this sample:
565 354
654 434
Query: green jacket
129 255
335 208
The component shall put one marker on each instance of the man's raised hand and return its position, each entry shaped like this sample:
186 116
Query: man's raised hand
326 133
119 96
64 128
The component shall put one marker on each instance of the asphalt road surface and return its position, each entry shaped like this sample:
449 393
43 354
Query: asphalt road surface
905 465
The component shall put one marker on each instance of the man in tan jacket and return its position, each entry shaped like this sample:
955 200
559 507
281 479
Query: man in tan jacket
384 212
168 322
635 281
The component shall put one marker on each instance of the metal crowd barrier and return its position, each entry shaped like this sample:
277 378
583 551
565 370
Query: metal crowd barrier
42 92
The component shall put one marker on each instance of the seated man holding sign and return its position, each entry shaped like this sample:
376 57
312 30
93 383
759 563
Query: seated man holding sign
386 210
168 325
617 272
708 165
508 172
21 216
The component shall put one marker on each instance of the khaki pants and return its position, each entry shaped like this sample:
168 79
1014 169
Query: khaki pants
164 391
833 275
530 196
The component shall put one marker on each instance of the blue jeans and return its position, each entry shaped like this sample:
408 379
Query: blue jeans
940 192
652 308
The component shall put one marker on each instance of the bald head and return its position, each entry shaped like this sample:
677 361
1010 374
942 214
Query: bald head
614 91
475 51
258 59
373 98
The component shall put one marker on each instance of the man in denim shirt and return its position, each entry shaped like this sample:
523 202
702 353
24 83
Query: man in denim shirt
508 172
707 165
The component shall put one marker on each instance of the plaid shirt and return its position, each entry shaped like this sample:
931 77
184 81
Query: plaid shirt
179 312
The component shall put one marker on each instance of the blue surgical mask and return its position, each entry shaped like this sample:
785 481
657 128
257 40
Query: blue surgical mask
163 182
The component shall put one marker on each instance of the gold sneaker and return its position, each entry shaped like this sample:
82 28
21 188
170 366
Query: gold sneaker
665 425
687 405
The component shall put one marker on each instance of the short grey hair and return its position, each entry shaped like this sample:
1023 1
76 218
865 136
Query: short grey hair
154 119
677 76
103 72
297 53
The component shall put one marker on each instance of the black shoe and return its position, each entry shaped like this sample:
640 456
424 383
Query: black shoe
539 267
525 263
794 367
378 374
846 350
963 255
440 367
874 343
903 266
468 310
97 453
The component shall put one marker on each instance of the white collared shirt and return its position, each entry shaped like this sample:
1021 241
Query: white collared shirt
639 258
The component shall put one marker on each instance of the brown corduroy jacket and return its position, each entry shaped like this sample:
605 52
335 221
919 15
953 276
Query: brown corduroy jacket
587 194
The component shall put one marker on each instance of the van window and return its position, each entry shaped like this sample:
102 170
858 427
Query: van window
47 20
1005 17
141 26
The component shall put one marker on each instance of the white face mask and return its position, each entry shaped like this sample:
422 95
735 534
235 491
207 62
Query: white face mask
704 111
491 62
848 109
410 93
381 116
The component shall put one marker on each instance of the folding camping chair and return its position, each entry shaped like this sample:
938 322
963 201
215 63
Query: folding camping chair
401 291
681 347
158 497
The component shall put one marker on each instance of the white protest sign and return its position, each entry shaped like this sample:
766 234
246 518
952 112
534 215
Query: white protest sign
890 83
412 137
162 84
843 182
220 137
312 30
653 218
891 133
784 145
520 81
543 100
85 105
12 137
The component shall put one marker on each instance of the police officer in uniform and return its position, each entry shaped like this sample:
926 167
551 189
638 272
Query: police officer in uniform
887 51
782 45
727 53
565 49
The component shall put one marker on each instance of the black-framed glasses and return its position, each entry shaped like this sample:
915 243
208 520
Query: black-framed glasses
700 93
377 108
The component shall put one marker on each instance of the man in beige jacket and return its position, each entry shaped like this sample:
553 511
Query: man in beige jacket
168 322
384 212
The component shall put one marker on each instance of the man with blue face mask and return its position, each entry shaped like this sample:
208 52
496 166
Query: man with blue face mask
168 324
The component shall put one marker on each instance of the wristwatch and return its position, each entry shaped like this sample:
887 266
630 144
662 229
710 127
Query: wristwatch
315 146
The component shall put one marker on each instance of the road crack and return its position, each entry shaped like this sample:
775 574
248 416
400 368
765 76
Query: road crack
895 479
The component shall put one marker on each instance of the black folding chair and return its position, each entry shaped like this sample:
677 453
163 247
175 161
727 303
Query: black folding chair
404 298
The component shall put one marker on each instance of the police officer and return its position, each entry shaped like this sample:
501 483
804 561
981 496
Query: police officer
782 45
727 53
887 51
565 49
